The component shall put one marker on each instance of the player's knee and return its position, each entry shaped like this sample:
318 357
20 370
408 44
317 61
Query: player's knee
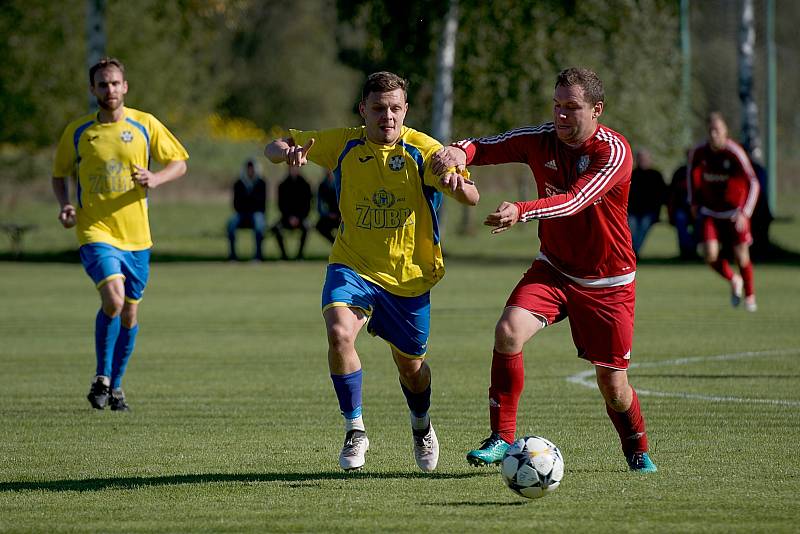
615 391
414 372
113 304
341 337
128 317
506 338
615 399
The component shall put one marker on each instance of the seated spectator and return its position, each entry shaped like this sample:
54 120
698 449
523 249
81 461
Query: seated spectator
250 206
294 203
645 199
328 207
680 214
762 215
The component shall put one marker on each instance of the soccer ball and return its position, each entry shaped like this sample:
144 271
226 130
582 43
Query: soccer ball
532 467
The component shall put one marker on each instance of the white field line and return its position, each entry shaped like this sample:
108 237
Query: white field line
587 378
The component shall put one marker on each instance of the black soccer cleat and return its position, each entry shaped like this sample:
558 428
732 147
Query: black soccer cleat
99 394
117 401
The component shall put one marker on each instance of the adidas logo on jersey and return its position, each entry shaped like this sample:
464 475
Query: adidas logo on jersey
551 165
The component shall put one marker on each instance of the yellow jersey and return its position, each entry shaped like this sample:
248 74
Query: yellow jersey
388 197
112 208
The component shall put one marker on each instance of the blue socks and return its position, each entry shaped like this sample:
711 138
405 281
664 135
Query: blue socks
106 332
418 403
348 391
122 353
113 346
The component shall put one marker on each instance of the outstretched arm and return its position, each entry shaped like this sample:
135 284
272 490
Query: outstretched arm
447 157
504 217
461 187
284 150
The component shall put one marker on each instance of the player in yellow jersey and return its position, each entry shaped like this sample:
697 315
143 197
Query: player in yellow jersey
387 254
108 154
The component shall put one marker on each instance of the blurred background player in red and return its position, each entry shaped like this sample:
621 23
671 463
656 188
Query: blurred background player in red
723 190
586 267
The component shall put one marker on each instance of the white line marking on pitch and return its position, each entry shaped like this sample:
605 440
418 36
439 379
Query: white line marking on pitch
587 378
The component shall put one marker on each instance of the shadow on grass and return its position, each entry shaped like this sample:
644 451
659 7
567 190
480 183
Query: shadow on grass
473 504
100 484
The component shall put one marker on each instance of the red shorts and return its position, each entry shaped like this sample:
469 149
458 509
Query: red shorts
724 231
601 319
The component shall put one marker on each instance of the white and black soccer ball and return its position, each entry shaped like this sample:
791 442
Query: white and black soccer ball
532 467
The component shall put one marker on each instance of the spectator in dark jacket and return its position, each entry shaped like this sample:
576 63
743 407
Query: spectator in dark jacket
680 214
646 196
328 207
250 206
294 203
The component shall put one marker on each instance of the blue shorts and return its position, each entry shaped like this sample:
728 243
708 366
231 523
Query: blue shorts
103 262
404 322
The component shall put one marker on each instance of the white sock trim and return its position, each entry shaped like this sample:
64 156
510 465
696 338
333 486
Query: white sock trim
356 423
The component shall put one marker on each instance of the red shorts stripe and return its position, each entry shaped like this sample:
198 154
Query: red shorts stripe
601 319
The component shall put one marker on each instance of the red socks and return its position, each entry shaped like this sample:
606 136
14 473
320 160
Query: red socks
630 427
508 380
747 277
722 266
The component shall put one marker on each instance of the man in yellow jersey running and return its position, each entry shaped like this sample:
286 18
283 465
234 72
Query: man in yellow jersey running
387 254
108 154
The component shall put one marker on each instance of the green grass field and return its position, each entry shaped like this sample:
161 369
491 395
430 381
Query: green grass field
235 426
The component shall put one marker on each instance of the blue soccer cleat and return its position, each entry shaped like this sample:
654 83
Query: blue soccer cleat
491 451
640 462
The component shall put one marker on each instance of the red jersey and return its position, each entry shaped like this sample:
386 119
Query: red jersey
583 198
722 182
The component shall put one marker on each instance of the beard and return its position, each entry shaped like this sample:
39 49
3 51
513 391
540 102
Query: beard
110 106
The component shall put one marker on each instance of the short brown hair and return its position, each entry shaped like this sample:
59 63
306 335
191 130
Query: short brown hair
105 63
586 79
383 82
716 116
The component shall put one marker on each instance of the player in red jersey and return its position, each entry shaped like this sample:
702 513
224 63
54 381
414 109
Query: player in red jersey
723 190
586 267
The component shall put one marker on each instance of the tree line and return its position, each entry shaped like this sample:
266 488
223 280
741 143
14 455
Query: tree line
301 64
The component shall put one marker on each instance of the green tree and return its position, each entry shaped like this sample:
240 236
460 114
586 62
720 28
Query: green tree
284 66
509 52
42 76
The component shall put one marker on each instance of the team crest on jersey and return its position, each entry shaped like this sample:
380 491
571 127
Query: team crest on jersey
397 162
127 136
583 164
383 198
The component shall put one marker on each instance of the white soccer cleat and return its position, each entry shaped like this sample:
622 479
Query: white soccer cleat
354 450
426 449
750 303
736 290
